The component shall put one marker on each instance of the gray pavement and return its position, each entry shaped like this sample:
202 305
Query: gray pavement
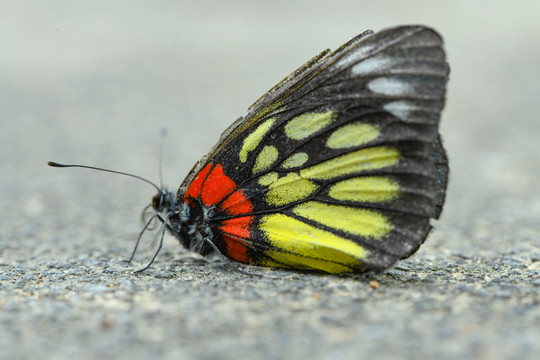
94 83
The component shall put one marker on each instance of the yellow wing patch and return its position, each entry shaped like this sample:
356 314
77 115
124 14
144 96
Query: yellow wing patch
363 222
365 189
265 159
304 246
305 125
288 189
351 135
268 179
253 139
377 157
295 160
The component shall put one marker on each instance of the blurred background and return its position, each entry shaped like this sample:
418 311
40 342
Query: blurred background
93 82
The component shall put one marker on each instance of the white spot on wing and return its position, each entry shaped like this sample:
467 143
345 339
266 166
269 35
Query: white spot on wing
372 65
389 86
401 109
355 56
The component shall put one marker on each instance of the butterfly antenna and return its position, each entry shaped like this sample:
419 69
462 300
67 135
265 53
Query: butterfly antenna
55 164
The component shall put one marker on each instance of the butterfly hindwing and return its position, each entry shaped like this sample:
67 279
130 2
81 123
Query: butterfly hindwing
339 167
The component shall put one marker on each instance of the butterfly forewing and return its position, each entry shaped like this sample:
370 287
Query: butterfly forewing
339 167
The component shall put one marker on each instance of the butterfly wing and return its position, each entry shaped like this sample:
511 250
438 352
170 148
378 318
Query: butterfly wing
340 166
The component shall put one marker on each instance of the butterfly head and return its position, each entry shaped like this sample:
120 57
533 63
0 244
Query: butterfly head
164 200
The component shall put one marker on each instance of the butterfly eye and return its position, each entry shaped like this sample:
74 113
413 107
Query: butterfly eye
157 201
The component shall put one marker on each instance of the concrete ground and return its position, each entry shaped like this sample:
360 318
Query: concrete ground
94 82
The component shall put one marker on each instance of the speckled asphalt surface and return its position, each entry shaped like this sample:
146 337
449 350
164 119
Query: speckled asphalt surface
94 84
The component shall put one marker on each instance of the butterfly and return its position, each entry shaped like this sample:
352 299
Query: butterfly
338 168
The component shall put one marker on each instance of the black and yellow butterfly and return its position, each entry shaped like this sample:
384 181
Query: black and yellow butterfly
337 168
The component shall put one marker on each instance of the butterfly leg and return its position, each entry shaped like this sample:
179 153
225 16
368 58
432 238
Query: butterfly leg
145 227
163 228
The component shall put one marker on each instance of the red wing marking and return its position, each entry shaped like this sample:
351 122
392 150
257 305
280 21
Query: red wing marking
234 230
237 203
212 186
194 189
216 187
235 249
237 226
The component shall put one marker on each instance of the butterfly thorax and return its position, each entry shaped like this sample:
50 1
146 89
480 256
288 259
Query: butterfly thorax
191 224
